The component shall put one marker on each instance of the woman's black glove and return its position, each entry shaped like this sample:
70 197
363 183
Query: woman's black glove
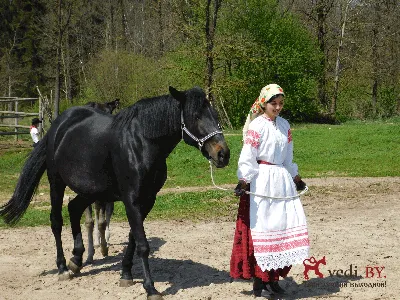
300 185
240 188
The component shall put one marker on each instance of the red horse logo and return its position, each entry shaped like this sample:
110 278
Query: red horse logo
314 265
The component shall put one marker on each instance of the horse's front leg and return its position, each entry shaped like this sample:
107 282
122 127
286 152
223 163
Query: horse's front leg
89 227
136 219
127 263
75 209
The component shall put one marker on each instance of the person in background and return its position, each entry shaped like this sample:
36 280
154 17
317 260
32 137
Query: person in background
34 131
271 234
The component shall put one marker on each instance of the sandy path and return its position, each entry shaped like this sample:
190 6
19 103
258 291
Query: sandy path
352 222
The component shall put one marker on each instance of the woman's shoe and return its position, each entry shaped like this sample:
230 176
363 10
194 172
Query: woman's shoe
276 288
257 287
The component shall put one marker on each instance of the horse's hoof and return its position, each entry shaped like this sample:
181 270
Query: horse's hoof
104 251
73 267
64 276
125 282
89 261
155 297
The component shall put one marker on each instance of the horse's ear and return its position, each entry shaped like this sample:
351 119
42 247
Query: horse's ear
180 96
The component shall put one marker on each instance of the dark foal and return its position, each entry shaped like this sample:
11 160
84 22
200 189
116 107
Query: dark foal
107 107
99 228
122 157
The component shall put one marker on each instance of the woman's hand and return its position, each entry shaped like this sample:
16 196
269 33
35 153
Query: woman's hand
300 184
240 188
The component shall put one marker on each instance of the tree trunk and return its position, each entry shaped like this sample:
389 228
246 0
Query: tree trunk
111 41
211 24
160 29
58 65
124 27
10 104
375 60
321 18
67 67
337 67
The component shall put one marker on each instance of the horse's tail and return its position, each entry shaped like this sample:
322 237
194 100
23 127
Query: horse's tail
27 183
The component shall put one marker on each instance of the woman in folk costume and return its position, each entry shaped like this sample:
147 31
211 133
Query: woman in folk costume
271 234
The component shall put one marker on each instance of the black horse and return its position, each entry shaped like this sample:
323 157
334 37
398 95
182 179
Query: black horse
103 211
105 157
107 107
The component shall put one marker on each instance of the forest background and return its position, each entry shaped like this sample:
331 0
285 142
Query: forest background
336 59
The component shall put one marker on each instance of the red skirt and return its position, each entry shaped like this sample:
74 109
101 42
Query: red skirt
243 263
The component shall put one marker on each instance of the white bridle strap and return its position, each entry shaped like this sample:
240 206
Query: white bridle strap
201 141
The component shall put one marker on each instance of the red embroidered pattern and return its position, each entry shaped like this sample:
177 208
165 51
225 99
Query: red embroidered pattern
280 238
252 138
281 247
289 136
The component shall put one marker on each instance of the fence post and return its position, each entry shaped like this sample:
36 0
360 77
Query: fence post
16 120
40 117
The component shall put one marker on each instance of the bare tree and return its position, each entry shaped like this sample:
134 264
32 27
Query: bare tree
211 26
61 27
58 64
337 66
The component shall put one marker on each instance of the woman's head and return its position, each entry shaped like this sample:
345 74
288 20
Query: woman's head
274 106
270 100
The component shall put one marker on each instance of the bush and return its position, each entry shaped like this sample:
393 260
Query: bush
123 75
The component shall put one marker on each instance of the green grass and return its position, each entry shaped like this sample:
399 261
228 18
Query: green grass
11 163
355 150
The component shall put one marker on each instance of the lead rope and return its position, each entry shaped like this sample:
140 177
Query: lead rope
250 193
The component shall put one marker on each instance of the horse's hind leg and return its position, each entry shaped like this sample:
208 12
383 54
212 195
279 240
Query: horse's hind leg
57 188
109 212
100 211
89 227
97 237
75 209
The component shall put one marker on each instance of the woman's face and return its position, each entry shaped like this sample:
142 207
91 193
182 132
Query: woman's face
274 107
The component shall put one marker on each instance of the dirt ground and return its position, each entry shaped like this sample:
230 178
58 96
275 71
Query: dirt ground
353 222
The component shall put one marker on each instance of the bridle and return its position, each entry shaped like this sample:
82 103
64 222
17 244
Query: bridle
200 142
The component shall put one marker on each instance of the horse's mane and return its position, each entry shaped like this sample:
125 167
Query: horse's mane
158 116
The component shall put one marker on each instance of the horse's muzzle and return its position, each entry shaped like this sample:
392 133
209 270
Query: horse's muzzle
223 157
218 153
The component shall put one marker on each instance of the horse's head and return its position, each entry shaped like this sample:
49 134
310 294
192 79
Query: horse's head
200 125
112 105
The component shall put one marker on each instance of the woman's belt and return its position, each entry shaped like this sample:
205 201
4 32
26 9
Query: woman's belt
263 162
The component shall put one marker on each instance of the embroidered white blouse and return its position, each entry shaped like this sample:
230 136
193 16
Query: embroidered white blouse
267 141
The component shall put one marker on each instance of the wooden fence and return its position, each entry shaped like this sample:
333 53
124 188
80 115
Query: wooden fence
17 114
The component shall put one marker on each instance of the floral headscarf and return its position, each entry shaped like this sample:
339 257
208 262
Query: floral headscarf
267 92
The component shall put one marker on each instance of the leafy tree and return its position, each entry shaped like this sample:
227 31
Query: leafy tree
268 46
20 46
